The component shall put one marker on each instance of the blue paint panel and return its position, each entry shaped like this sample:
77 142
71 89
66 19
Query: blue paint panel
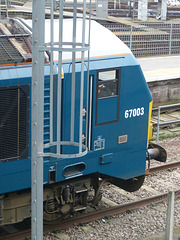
14 175
126 164
107 110
128 158
134 94
15 181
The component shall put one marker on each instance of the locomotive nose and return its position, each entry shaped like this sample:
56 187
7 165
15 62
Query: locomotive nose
156 152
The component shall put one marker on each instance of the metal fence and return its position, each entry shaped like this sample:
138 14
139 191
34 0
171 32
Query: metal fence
149 38
159 124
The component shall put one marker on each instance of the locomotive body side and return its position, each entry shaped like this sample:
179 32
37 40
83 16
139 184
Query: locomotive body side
122 114
118 136
118 132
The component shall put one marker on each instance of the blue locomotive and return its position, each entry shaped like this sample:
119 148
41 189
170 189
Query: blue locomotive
119 126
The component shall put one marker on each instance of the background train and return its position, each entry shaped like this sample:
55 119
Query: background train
119 126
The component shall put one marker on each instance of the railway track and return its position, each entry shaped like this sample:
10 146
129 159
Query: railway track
23 235
103 213
171 165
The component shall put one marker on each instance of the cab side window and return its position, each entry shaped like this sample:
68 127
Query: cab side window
107 83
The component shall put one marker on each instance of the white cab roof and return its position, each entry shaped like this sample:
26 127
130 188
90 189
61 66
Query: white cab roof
103 42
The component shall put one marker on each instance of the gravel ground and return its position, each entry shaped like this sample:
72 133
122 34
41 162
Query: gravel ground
172 146
137 224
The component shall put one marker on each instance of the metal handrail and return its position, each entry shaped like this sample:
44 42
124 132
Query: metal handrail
165 123
147 38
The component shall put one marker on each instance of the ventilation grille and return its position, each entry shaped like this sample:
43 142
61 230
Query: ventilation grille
14 123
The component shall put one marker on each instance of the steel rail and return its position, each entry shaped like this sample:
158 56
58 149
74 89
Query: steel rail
163 167
89 217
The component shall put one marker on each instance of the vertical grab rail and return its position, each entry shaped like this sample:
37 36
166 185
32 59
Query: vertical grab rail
90 113
82 79
59 97
89 91
73 73
51 72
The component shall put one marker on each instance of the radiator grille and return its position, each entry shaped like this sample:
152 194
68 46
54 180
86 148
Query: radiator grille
14 123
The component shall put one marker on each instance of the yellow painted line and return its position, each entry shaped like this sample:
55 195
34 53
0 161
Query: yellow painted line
163 70
150 127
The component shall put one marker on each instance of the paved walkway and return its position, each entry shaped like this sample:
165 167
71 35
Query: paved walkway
160 68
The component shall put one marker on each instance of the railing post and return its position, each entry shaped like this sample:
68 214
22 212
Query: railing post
170 40
131 36
170 216
37 115
158 123
114 4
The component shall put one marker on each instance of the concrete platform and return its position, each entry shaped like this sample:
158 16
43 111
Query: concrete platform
160 68
162 74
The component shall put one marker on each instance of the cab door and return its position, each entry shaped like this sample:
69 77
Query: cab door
107 96
106 109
